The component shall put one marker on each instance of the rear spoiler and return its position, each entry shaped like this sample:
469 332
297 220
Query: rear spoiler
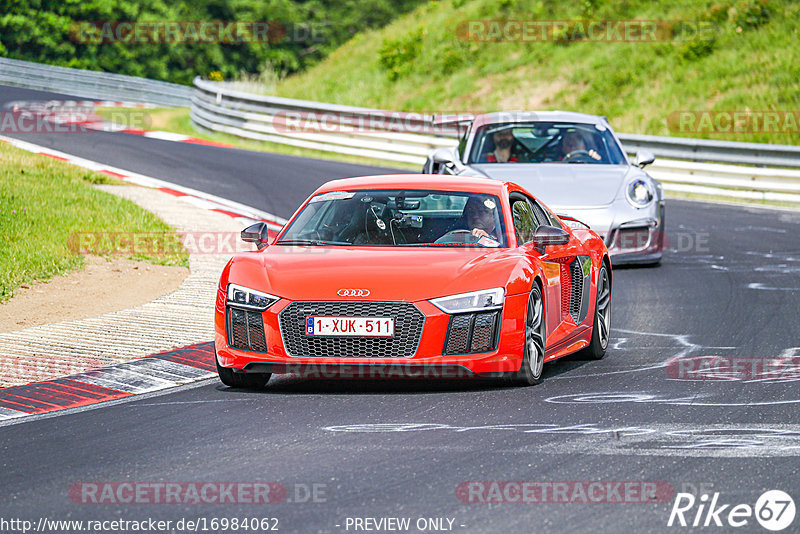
445 119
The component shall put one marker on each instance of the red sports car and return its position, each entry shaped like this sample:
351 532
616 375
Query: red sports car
420 274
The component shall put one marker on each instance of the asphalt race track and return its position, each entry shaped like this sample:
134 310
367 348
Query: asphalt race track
727 292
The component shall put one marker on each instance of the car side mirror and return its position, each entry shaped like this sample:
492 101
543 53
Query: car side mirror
256 233
644 158
446 158
549 235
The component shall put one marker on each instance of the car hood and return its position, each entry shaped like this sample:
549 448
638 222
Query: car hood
403 274
562 184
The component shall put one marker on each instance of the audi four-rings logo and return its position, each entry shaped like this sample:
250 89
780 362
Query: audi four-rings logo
353 292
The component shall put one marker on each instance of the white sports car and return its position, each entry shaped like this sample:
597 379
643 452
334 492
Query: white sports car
576 164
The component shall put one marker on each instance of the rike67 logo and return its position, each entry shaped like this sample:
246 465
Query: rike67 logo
774 510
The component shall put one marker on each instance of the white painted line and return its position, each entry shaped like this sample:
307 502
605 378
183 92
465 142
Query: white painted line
121 379
144 375
180 370
143 367
166 136
7 413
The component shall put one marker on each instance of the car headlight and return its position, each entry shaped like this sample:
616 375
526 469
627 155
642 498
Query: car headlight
639 193
484 300
244 297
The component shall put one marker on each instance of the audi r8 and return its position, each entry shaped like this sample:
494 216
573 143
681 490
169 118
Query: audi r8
574 163
414 272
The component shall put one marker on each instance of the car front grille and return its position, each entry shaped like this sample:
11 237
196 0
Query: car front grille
408 324
246 330
472 333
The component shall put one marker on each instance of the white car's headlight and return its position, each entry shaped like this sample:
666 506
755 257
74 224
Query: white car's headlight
639 193
244 297
484 300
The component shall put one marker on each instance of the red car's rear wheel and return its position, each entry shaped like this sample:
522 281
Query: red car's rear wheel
530 371
602 317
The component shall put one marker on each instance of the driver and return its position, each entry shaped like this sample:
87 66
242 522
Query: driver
573 144
479 217
503 143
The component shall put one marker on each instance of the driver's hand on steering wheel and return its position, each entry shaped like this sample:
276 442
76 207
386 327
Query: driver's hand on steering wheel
592 153
477 232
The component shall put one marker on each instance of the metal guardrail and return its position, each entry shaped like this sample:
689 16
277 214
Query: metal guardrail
714 151
92 85
686 165
357 131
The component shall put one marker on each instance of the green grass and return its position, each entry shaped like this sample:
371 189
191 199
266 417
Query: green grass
177 120
45 204
749 61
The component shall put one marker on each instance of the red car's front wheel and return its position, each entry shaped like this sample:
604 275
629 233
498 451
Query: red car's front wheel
242 380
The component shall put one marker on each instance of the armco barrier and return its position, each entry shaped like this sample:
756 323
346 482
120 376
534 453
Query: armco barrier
683 164
688 165
93 85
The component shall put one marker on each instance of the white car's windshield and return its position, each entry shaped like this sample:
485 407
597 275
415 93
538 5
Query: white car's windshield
399 218
545 142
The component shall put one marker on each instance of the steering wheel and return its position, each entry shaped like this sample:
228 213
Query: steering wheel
579 156
450 237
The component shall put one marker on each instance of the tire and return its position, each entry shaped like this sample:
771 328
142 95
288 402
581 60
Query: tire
242 380
530 372
602 317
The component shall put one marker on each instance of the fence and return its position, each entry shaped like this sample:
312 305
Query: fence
92 85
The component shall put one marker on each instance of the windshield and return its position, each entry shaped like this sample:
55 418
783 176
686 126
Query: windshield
399 218
545 142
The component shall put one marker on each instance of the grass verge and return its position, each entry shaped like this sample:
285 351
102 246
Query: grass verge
45 203
720 55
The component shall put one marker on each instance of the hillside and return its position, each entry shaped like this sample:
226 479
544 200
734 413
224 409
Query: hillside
720 55
170 40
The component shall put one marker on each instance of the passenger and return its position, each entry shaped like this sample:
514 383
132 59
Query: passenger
503 147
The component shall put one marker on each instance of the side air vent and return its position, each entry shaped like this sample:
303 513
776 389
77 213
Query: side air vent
580 285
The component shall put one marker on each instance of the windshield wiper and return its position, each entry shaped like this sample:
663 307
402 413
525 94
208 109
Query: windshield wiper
312 242
456 244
